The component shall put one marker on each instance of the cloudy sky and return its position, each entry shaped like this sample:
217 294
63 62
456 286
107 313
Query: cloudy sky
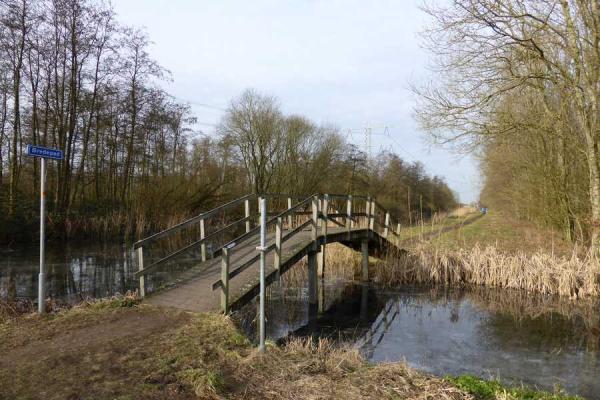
343 62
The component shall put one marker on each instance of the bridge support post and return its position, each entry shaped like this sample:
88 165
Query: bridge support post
312 278
140 254
364 247
225 280
349 223
321 262
398 230
321 289
203 245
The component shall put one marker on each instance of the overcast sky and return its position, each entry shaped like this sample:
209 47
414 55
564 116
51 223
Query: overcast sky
343 62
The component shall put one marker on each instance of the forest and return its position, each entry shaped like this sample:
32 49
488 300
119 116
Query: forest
72 77
519 84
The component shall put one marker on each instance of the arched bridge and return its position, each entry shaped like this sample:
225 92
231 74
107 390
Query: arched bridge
218 248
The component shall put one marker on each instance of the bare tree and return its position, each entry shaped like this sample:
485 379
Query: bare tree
253 124
490 51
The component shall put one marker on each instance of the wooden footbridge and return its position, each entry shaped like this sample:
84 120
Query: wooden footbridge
220 247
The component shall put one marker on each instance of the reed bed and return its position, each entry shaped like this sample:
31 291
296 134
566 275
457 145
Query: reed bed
540 272
340 263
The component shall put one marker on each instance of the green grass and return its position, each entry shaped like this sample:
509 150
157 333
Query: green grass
493 389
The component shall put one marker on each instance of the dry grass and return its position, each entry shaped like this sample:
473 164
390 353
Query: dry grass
320 370
111 350
341 263
539 272
502 231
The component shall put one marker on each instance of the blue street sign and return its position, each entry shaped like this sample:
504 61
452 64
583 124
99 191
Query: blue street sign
44 152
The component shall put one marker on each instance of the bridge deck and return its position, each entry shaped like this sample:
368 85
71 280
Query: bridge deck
197 295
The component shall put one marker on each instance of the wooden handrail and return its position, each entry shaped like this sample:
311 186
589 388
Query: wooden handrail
290 211
191 245
190 221
232 243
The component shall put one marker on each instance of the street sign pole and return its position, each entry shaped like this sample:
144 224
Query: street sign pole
42 280
263 234
42 153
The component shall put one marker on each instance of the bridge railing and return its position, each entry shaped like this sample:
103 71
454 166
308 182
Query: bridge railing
361 212
299 213
213 230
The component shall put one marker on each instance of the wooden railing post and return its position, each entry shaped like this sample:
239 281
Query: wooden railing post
258 217
372 216
349 223
290 217
368 212
140 255
387 224
315 221
278 229
321 259
225 280
247 214
202 236
398 229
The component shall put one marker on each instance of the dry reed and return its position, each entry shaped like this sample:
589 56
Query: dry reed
540 272
306 369
340 263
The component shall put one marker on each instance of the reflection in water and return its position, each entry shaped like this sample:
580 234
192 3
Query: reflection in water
75 272
511 335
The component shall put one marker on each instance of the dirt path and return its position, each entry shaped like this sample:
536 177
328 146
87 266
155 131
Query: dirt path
82 356
116 326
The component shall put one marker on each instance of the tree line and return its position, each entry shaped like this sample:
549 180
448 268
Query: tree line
519 83
74 78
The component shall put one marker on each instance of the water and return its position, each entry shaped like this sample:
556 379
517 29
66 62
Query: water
76 271
509 335
539 341
73 272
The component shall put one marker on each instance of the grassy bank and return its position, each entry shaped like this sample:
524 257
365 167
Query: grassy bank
120 349
504 232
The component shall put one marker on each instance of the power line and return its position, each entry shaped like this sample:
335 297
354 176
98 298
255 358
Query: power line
200 104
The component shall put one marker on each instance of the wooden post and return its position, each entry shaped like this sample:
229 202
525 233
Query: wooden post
225 280
140 254
247 214
398 230
387 224
349 223
312 278
258 217
368 212
364 247
315 221
202 236
321 268
278 229
290 217
319 210
372 216
321 290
